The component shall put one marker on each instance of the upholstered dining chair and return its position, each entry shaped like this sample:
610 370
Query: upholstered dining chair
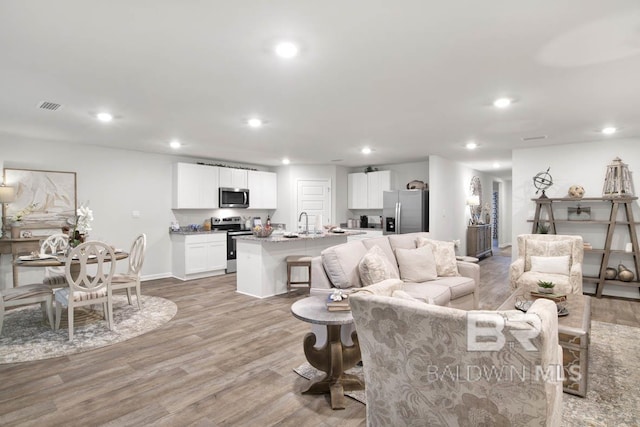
553 258
26 295
87 289
54 244
429 365
132 278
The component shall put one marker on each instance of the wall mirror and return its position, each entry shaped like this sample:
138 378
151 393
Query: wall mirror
475 199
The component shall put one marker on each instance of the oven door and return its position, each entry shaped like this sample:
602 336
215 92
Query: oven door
234 197
231 249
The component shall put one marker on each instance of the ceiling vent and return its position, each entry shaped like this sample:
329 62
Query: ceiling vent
534 138
51 106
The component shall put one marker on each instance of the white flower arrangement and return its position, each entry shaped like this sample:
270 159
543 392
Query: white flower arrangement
337 295
24 212
85 217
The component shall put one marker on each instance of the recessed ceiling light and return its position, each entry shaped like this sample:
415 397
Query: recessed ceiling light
471 145
286 50
285 161
502 102
496 165
609 130
366 150
255 122
104 117
175 144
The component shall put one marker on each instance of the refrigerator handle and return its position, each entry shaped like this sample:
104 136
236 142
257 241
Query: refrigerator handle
398 211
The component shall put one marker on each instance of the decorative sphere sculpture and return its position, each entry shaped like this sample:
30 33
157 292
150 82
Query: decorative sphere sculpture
576 191
542 181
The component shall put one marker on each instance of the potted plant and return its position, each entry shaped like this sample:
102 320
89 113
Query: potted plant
545 287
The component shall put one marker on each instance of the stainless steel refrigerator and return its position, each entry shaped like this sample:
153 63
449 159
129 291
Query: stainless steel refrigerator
405 211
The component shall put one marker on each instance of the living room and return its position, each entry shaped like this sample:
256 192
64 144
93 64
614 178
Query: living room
224 352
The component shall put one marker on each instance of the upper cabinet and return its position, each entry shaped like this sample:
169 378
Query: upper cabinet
233 178
365 189
263 190
195 186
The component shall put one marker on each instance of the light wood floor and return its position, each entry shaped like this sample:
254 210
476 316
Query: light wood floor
225 360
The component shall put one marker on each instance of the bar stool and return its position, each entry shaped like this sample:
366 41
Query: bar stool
298 261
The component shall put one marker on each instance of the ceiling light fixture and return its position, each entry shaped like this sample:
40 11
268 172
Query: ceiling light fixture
286 50
502 102
255 122
366 150
104 117
471 145
285 161
496 165
175 144
609 130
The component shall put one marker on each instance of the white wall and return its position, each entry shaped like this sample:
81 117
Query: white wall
584 164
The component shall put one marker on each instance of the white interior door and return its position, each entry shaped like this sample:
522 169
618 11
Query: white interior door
314 198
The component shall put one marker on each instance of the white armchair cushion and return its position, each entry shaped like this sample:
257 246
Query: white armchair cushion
550 264
545 248
417 265
375 267
445 254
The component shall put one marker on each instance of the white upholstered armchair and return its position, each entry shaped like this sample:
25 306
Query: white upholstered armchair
420 370
549 257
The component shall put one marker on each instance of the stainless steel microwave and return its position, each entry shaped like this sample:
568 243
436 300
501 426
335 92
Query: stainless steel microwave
234 197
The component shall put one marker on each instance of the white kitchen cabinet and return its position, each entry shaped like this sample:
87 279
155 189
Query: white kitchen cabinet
263 190
365 189
199 255
195 186
233 178
357 190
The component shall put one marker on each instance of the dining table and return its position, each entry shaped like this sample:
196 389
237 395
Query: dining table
59 260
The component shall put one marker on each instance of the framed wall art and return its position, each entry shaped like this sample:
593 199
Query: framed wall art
47 197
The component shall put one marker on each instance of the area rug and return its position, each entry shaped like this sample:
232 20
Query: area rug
613 396
26 336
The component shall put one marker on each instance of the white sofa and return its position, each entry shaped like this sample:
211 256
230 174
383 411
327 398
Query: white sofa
337 267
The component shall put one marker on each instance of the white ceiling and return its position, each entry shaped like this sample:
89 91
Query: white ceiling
408 78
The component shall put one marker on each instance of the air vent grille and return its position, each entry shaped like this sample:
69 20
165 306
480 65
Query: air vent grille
51 106
534 138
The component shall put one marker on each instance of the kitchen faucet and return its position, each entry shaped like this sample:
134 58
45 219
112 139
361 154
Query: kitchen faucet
306 222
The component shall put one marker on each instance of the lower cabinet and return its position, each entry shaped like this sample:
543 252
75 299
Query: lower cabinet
479 240
199 255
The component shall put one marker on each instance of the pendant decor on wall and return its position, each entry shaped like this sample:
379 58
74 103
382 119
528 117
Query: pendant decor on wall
617 181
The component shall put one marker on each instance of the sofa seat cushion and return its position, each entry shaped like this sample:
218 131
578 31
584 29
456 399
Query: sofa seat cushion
383 243
340 262
430 292
529 281
459 286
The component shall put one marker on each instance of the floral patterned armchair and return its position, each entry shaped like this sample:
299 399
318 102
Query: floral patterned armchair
420 370
525 272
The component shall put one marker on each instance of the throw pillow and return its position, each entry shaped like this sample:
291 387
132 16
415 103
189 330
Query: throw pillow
375 267
417 265
535 247
550 264
445 254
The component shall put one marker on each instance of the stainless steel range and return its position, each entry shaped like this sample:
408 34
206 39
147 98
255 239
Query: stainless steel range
234 226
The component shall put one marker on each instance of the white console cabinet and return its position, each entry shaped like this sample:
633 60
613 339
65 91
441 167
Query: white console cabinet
199 255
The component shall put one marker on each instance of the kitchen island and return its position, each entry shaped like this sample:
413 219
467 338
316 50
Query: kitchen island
262 270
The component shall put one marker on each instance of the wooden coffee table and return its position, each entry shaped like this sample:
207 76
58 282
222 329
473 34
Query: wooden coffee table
574 331
334 358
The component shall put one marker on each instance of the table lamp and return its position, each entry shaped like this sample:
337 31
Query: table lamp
7 195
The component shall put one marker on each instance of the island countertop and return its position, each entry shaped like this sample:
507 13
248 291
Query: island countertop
278 238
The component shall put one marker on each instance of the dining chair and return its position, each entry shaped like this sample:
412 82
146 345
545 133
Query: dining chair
132 278
87 289
26 295
54 244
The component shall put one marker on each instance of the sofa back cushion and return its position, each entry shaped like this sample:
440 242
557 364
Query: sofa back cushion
550 264
341 263
445 254
416 265
383 243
